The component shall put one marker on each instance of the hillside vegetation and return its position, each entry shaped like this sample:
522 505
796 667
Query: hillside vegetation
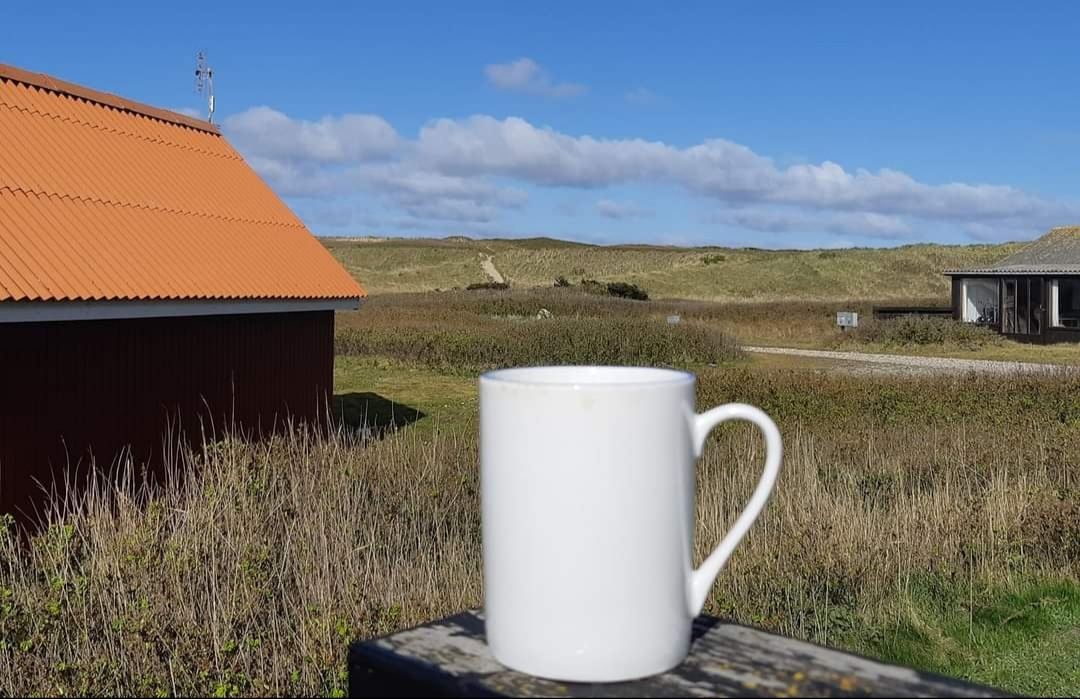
723 274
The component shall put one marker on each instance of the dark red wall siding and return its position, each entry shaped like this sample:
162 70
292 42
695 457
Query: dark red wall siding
71 389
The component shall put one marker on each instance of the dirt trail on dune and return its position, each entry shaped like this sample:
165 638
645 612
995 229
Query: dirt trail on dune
489 269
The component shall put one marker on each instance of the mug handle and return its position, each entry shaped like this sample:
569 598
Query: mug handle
702 579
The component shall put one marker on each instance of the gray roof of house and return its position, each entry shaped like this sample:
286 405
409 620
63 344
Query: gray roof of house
1057 252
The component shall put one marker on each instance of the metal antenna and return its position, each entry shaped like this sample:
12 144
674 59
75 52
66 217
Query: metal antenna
204 82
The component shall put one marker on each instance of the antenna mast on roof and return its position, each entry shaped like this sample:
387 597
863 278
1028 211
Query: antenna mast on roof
204 83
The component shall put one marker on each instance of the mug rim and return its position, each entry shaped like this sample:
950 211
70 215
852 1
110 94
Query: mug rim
579 376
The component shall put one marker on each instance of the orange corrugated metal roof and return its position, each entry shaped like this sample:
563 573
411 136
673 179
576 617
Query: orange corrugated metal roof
102 198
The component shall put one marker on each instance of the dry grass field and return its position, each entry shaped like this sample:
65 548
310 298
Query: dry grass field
759 297
928 521
725 274
457 329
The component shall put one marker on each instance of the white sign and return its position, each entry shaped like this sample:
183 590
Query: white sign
847 319
673 320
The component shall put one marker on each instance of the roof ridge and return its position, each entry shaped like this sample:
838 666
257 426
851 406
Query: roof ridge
113 129
47 82
85 198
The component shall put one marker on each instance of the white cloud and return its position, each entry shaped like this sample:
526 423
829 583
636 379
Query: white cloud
268 133
405 179
298 179
868 224
461 210
717 168
304 158
1004 230
465 170
614 209
427 194
526 75
641 96
796 220
515 148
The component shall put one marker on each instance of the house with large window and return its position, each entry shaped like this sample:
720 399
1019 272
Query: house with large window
1032 296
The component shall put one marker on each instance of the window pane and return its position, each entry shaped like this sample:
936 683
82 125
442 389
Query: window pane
980 301
1022 306
1038 312
1008 310
1069 303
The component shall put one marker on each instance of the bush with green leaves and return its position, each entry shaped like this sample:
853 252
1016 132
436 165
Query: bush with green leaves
504 342
488 286
591 286
626 290
925 330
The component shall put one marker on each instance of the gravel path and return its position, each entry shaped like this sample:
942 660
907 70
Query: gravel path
489 268
862 362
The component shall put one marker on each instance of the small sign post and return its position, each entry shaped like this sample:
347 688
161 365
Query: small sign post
847 319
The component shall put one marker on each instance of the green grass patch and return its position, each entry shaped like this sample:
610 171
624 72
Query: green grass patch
1024 639
447 401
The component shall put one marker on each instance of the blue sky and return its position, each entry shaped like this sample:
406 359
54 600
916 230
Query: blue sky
764 124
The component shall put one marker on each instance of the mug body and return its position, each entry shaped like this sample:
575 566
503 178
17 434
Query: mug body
587 486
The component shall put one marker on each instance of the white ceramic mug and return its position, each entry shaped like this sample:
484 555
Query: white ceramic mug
587 480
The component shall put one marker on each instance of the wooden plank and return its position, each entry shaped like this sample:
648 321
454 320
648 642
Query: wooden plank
450 658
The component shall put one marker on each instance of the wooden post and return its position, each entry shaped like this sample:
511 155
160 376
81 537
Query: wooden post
449 658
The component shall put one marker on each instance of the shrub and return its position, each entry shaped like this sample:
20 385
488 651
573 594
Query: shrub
713 259
494 343
626 290
923 330
591 286
561 281
867 404
493 286
622 290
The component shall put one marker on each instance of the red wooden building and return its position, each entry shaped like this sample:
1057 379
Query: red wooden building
148 277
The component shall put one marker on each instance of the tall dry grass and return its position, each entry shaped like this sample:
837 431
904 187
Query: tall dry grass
249 577
484 313
478 330
252 575
722 274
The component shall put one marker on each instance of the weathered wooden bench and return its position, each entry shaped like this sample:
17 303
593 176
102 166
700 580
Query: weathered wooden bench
450 658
